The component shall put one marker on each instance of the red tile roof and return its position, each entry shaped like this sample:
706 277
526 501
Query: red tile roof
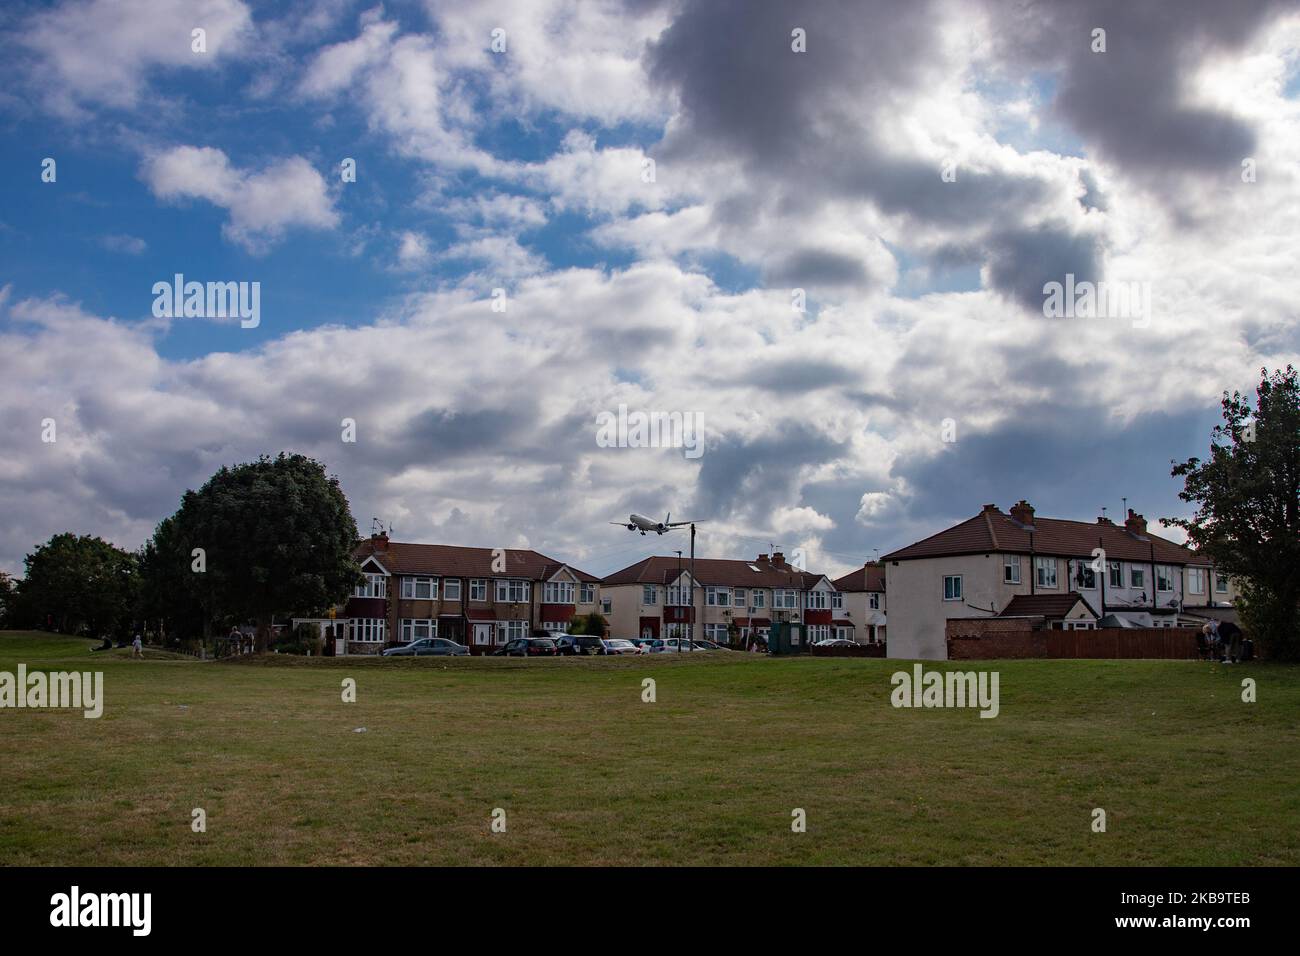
993 531
715 572
445 560
1047 605
869 577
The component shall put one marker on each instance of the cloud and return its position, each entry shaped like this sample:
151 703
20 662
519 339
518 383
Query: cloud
102 52
119 242
262 205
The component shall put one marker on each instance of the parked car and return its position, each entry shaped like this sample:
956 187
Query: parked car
710 646
834 642
529 647
671 645
616 645
572 644
428 647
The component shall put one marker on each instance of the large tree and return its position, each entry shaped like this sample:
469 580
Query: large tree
275 535
76 583
1247 495
7 591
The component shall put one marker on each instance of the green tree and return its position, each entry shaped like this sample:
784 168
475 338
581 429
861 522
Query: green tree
7 594
1247 518
76 583
166 595
273 536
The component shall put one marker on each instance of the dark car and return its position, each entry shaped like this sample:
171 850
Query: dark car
428 647
529 647
574 644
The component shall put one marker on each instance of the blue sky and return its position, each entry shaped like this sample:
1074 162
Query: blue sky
777 174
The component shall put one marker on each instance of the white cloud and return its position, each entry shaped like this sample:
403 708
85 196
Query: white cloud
100 52
262 204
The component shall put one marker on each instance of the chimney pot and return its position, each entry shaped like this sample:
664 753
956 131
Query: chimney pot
1135 522
1023 512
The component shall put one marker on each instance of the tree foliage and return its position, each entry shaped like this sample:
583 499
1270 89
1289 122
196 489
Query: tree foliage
1247 518
79 583
268 537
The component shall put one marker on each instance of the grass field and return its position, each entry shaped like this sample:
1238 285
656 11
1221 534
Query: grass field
589 774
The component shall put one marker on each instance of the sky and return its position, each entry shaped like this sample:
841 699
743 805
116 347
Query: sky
822 233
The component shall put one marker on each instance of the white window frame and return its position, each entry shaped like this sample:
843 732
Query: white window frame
1043 565
873 600
410 626
448 586
739 598
817 600
951 593
1116 572
717 597
1083 566
1011 563
587 593
1137 576
368 630
758 598
411 588
649 595
558 592
1164 575
478 589
785 599
1220 583
376 586
1196 580
511 590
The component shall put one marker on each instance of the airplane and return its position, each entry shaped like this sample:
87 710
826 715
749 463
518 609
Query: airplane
644 524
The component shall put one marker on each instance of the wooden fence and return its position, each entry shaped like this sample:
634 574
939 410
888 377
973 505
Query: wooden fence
975 639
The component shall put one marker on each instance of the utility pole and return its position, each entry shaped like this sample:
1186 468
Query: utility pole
692 620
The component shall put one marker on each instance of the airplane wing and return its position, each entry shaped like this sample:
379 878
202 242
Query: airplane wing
621 524
681 524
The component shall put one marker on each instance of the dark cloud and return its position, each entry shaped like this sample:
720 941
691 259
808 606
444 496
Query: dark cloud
754 478
797 375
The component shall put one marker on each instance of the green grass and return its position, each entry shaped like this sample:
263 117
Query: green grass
588 774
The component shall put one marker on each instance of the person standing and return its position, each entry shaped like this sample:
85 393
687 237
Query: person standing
137 647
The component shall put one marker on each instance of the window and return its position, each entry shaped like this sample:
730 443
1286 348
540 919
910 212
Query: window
837 601
843 633
649 594
513 590
1220 583
1164 577
716 633
375 585
1011 569
717 597
758 598
818 632
1195 580
738 598
606 605
676 630
414 629
368 630
423 589
587 594
678 595
1116 574
785 598
818 600
1045 571
1084 576
1137 577
451 589
558 592
478 589
873 600
952 587
511 631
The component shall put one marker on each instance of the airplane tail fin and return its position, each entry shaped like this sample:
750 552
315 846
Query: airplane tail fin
668 517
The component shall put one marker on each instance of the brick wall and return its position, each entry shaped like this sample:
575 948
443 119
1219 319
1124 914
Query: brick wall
988 638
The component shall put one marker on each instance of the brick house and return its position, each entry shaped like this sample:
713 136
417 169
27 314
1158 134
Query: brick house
652 598
479 597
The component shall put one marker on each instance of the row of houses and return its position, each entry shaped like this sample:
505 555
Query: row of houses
1065 574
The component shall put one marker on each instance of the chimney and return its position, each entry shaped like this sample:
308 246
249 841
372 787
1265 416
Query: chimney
379 541
778 559
1104 520
762 559
1135 522
1023 512
988 508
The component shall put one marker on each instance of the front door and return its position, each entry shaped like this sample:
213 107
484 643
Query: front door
482 635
